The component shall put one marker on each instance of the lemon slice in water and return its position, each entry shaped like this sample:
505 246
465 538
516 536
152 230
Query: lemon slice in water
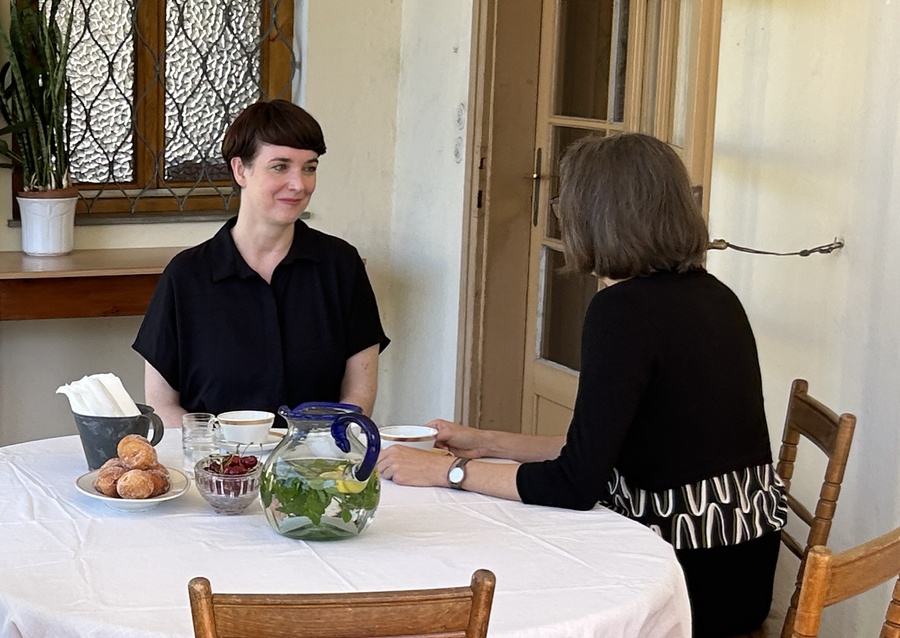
344 486
351 487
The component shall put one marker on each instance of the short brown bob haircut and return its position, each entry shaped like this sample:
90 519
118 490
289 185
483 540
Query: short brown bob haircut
279 122
627 210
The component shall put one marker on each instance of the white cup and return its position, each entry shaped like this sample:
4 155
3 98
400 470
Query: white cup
244 426
417 436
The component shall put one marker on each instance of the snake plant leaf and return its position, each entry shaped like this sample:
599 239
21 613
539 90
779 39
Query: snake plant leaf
34 92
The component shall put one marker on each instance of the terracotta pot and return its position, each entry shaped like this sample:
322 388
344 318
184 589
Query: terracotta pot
48 221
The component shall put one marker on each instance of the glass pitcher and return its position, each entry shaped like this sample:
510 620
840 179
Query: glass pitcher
320 482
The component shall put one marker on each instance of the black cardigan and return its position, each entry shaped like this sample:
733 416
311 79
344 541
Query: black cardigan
669 393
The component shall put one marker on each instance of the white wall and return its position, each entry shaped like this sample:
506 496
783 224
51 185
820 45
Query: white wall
384 79
427 221
806 150
352 77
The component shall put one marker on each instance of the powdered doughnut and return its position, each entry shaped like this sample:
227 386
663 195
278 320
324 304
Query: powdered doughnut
127 440
109 474
160 478
137 454
135 484
114 462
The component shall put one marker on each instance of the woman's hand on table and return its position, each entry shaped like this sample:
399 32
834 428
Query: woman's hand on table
472 443
408 466
419 468
460 440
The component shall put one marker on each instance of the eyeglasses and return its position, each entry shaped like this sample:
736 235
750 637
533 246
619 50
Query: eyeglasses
554 206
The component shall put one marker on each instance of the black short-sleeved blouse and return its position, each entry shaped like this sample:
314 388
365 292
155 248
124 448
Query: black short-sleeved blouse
225 339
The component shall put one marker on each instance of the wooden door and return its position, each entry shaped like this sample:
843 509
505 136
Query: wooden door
545 73
606 66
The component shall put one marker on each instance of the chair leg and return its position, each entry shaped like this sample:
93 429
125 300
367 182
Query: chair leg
787 629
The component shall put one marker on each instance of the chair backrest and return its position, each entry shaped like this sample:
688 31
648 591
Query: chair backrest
832 434
829 579
460 612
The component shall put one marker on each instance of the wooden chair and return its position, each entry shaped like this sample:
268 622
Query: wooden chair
460 612
832 434
830 579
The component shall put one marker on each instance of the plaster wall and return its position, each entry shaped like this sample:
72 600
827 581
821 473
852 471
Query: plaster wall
427 219
806 150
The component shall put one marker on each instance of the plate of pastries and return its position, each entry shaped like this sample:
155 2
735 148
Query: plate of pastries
134 480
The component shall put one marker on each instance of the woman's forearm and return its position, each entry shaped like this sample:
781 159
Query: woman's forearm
524 448
408 466
493 479
361 379
160 396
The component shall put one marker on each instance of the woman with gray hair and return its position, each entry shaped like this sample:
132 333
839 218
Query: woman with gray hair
669 427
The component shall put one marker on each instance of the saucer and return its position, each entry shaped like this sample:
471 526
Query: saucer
179 484
230 447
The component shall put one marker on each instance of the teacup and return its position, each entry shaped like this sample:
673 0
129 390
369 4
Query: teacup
417 436
244 426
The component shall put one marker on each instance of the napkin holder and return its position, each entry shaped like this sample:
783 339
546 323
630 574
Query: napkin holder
100 435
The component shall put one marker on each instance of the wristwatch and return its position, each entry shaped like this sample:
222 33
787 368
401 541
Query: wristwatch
457 473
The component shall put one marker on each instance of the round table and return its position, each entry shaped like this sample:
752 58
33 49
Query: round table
71 566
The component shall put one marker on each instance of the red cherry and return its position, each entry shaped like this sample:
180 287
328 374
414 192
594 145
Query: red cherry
231 465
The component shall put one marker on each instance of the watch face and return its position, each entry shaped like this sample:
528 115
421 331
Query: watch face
456 475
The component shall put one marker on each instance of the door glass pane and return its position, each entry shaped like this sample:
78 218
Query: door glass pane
620 59
682 54
651 66
563 136
586 57
563 302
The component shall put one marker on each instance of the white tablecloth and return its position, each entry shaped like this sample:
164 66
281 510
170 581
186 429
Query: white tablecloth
70 566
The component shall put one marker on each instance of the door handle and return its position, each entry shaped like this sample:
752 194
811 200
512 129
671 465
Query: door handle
536 188
697 192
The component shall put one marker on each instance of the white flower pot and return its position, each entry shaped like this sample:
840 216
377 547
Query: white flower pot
48 222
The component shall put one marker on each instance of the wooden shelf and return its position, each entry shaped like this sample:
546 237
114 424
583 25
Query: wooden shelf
110 282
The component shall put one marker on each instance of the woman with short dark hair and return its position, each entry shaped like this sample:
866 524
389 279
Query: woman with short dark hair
268 312
668 427
279 123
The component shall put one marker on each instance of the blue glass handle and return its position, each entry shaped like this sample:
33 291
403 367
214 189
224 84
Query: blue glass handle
373 442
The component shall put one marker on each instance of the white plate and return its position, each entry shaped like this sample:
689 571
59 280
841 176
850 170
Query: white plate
179 484
230 447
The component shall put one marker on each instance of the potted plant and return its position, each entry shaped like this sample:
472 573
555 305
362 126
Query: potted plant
35 102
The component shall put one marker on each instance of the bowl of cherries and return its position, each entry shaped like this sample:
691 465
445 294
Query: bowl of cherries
228 482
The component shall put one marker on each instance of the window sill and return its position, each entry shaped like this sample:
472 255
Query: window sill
110 282
115 219
112 219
